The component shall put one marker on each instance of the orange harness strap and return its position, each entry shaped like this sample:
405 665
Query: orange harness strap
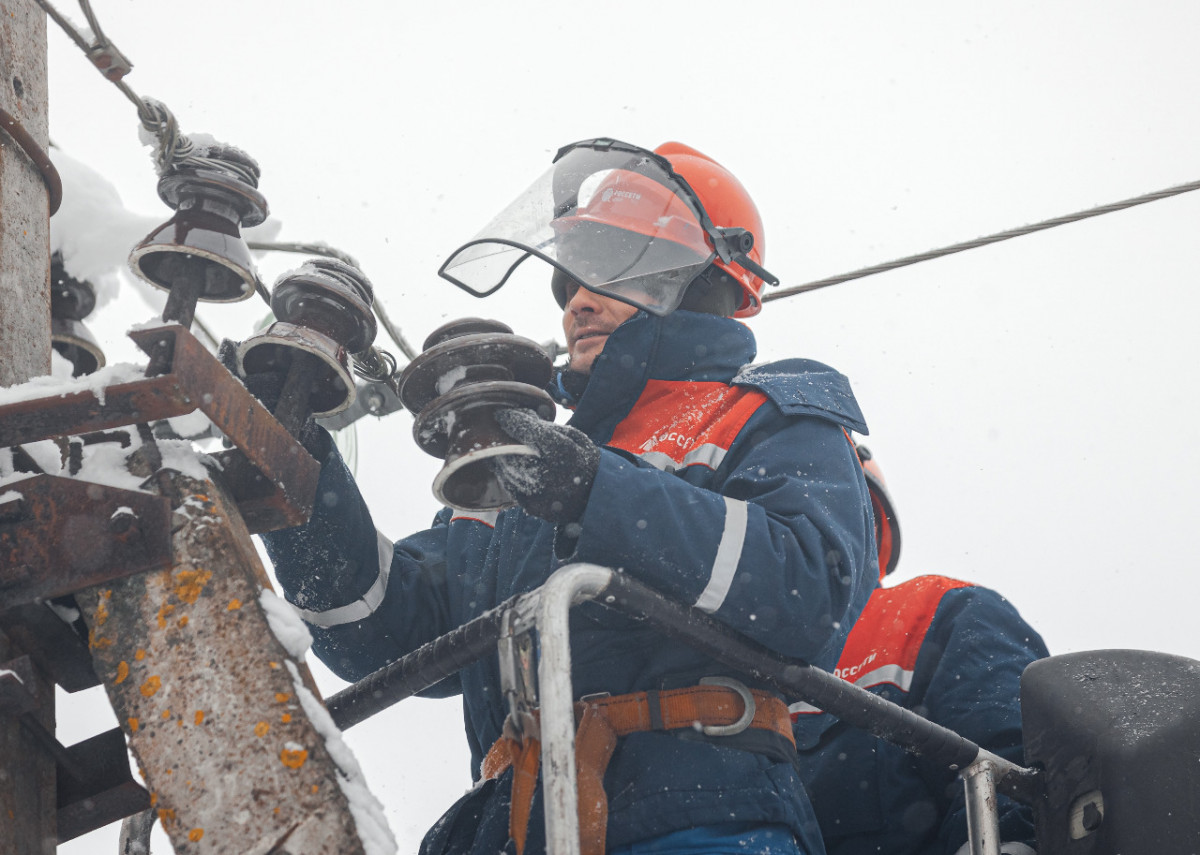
599 722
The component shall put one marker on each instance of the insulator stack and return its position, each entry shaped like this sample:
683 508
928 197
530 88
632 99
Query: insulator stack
199 254
324 315
72 300
467 371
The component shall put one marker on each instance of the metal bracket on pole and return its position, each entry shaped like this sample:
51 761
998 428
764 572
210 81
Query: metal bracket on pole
102 790
58 535
17 687
272 478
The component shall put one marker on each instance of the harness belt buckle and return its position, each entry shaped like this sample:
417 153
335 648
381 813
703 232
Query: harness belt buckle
521 726
747 702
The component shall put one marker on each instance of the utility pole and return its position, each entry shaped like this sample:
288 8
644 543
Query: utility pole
27 775
24 218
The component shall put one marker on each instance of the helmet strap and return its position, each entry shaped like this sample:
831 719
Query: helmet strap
712 292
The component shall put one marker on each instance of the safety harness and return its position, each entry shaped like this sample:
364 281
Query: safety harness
718 707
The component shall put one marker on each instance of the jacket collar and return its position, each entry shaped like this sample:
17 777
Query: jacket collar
681 346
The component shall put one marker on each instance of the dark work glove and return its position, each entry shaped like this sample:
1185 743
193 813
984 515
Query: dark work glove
267 387
554 484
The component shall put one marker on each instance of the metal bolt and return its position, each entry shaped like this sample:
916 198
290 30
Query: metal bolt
121 522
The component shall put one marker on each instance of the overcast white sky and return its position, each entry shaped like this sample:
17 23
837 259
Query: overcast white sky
1032 403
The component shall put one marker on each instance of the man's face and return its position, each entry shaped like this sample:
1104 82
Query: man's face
588 319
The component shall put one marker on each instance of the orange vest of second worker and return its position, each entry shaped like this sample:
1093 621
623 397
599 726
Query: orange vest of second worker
952 652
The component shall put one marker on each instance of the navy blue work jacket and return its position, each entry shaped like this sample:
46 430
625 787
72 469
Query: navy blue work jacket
731 488
953 653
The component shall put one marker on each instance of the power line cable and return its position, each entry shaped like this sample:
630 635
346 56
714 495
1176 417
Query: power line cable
981 241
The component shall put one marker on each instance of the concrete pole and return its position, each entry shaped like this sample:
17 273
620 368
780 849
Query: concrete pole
24 212
208 696
27 775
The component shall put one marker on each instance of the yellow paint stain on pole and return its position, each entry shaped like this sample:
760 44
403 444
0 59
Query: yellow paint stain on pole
97 643
293 758
151 686
191 584
102 608
163 612
122 672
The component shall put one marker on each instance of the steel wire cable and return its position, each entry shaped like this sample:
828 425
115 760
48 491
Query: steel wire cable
175 149
982 241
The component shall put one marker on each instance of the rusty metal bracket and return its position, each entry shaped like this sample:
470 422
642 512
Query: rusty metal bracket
58 535
58 649
272 478
39 157
102 789
18 683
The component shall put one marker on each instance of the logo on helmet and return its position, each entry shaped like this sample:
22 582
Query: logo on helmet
608 194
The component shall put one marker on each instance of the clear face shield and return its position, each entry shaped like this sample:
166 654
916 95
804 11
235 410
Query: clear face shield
611 216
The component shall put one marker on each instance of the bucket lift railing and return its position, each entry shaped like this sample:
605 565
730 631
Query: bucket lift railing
547 609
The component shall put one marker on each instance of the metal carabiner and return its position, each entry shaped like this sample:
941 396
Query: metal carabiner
747 701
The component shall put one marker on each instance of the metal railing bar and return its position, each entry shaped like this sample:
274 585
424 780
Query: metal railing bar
794 679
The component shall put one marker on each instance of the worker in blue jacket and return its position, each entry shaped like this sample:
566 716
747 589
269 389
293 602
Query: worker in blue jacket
732 488
951 651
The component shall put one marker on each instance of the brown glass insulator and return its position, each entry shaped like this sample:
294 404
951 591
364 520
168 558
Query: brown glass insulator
469 370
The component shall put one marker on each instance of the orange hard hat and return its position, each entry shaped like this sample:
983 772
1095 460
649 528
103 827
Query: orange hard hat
887 527
728 205
634 202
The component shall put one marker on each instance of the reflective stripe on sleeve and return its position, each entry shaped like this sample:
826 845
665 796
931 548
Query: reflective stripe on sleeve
361 608
708 454
729 552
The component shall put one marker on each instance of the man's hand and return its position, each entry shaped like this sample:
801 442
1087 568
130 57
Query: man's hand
267 387
555 483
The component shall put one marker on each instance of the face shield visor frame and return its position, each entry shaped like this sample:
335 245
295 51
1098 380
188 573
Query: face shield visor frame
613 217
